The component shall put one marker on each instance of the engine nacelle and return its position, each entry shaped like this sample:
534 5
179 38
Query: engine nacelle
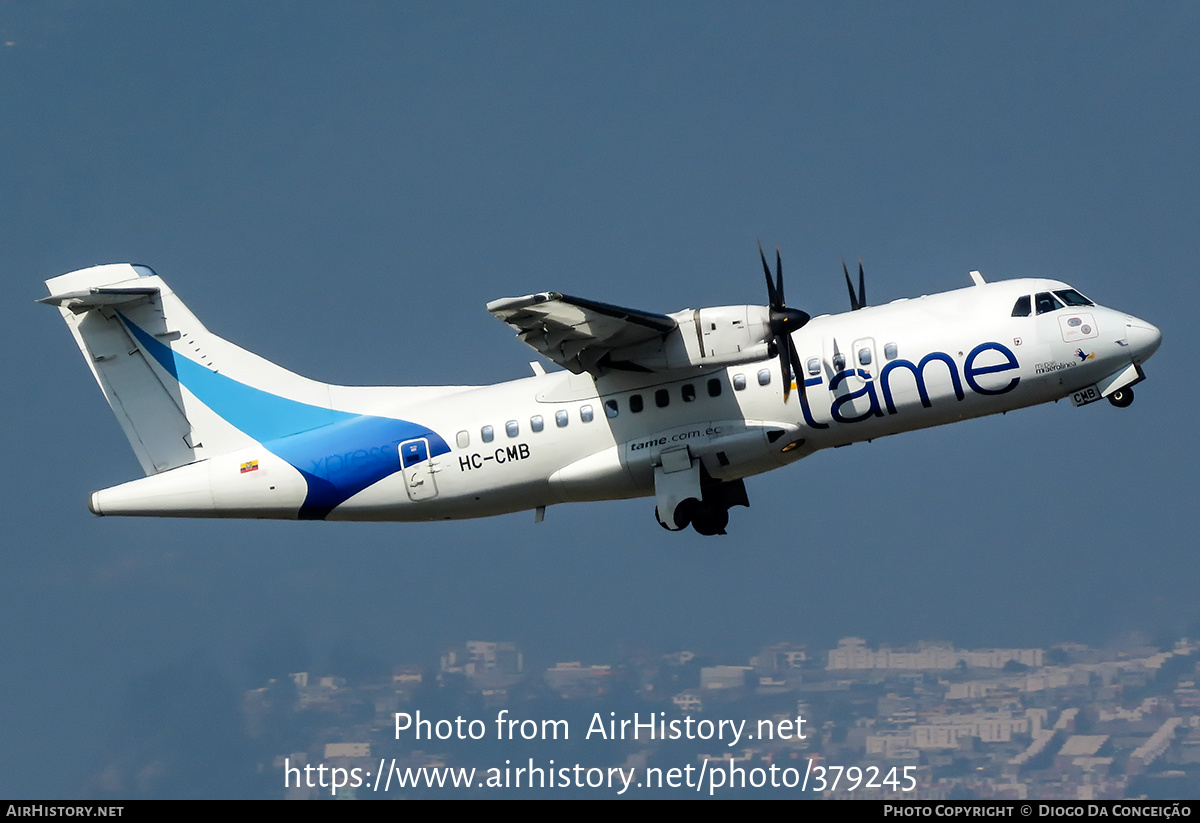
704 338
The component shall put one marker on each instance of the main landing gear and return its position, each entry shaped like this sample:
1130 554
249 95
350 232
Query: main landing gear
704 518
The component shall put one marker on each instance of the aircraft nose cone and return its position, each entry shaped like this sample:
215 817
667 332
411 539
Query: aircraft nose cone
1143 338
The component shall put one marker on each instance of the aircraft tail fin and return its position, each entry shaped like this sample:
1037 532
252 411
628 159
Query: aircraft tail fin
180 393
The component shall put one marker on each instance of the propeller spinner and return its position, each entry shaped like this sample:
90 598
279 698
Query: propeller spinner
783 321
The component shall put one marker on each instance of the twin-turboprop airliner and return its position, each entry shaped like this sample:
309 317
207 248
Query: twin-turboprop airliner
679 407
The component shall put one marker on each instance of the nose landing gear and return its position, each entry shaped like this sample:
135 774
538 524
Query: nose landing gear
1121 397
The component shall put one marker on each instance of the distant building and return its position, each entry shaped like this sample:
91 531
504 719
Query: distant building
333 750
408 677
780 658
1153 748
1080 760
576 680
950 731
681 658
718 678
852 653
484 657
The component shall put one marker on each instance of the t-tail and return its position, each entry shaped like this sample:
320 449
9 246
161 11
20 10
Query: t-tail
220 431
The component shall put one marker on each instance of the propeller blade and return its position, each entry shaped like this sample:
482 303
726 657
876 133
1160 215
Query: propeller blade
798 373
857 301
785 364
862 286
801 375
854 304
783 322
767 271
779 278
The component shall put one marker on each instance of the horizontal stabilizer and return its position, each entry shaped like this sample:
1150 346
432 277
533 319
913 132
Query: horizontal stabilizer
81 301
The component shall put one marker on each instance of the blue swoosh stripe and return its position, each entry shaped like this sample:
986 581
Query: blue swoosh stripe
338 453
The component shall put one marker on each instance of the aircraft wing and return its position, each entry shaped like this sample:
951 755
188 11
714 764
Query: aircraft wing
578 334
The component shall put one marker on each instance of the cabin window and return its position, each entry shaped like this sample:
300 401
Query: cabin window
661 398
1022 307
512 428
537 423
464 439
764 377
486 434
839 362
585 414
864 356
635 403
561 419
688 392
890 351
610 407
739 382
714 387
814 366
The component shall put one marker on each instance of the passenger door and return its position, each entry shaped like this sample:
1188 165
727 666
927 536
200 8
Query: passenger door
417 469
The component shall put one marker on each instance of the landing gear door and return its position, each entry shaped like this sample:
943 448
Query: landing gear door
417 469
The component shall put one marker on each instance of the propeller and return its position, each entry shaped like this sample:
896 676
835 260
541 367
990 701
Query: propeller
783 321
859 301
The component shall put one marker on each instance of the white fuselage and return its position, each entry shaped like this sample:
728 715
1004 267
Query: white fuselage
560 437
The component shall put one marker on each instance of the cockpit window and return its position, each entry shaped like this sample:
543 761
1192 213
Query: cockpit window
1073 298
1047 302
1022 307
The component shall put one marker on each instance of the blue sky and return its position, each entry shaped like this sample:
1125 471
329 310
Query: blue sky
342 188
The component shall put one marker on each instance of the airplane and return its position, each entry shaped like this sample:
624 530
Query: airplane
680 407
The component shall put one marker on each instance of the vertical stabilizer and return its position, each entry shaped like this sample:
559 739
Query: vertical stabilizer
180 393
220 431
